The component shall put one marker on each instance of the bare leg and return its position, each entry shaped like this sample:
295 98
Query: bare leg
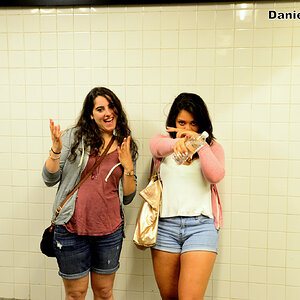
195 270
102 286
76 289
166 269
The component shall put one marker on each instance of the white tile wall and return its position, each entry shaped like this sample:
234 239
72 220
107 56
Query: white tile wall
246 67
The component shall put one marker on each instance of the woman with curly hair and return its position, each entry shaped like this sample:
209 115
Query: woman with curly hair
88 231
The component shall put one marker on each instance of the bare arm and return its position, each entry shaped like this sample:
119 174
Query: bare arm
52 163
125 159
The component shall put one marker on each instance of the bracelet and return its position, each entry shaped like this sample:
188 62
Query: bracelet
54 158
131 173
55 152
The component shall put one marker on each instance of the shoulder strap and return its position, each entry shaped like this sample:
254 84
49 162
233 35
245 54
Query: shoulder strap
82 181
152 168
153 171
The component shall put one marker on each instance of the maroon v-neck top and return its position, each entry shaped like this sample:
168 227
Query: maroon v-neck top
97 209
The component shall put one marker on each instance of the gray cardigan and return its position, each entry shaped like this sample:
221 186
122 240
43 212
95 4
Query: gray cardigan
69 175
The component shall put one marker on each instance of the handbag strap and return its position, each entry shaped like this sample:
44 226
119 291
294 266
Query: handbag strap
153 172
82 181
151 169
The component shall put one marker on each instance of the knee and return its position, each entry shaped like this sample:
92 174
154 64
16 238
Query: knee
75 295
169 295
103 293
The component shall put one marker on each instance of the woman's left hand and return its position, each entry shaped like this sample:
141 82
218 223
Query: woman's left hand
125 155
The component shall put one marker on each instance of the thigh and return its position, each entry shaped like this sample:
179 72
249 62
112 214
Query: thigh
72 253
166 270
106 252
195 270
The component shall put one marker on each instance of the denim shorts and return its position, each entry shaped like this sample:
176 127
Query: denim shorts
184 234
77 255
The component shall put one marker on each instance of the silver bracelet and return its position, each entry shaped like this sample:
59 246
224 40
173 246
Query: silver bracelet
54 158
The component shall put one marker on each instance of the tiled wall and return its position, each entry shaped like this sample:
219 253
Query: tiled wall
244 65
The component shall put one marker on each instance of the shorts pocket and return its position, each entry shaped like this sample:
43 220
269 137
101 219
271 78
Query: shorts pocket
60 230
63 238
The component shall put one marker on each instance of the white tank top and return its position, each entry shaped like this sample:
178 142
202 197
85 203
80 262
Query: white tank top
185 190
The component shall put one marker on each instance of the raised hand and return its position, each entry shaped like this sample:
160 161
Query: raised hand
125 155
56 137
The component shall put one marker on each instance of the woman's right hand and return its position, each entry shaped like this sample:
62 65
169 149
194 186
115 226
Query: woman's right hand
183 135
56 137
179 147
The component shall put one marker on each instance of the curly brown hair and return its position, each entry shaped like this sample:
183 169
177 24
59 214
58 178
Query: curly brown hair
88 130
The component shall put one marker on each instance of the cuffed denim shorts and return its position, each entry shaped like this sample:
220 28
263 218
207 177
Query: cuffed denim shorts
184 234
77 255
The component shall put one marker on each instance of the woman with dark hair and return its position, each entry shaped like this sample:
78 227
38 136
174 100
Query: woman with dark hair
190 214
88 232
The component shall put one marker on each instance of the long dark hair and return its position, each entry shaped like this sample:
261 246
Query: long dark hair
195 105
89 130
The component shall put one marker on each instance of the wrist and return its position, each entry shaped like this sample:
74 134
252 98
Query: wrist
128 168
55 150
53 156
129 171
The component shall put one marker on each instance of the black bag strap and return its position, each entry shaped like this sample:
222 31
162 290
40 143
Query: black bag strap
81 182
151 168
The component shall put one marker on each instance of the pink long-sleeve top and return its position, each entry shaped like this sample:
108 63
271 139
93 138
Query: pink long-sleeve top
212 164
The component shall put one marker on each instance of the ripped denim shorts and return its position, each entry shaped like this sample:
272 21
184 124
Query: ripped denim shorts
77 255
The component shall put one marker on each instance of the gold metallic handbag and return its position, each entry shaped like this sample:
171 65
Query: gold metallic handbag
147 220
